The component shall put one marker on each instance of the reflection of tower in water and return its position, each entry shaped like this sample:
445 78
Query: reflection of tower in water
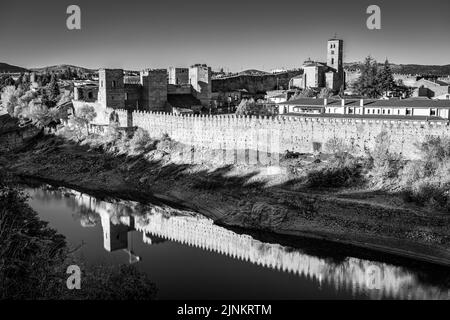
117 234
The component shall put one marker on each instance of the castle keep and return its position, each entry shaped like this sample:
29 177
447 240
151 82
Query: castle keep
156 89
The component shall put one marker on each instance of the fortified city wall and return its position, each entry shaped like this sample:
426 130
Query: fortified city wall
270 136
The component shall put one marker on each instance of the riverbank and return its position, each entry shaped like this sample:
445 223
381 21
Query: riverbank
247 197
34 260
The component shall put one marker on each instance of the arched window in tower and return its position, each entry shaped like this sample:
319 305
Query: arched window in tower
332 60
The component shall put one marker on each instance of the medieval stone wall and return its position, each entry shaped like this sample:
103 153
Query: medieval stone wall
254 84
262 139
18 138
154 91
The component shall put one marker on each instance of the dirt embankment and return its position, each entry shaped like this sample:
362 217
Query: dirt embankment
244 197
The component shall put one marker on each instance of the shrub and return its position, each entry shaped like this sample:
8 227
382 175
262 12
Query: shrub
141 142
427 193
166 144
340 150
427 181
435 149
386 164
336 175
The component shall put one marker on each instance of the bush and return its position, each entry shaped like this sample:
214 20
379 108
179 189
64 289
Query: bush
385 164
336 175
166 144
340 150
141 142
427 193
427 181
435 149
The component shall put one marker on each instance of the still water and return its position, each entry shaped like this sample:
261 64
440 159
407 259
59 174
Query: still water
187 256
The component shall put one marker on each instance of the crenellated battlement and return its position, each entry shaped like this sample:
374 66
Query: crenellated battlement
275 135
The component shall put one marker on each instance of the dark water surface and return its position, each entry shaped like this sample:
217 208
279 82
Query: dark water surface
187 256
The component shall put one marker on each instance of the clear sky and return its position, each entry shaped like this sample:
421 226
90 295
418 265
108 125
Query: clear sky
234 34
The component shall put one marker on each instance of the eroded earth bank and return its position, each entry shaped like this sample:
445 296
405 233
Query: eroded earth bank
319 196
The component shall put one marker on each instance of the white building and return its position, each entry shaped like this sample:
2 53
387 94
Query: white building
393 108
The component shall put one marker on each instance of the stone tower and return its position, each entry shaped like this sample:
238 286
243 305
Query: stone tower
335 54
178 75
154 89
200 80
335 61
111 93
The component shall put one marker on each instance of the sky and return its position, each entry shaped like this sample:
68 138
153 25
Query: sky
232 34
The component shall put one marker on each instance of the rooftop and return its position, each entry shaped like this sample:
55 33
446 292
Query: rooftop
414 103
365 116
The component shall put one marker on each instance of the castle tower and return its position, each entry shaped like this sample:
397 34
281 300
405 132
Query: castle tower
154 89
178 75
200 80
111 93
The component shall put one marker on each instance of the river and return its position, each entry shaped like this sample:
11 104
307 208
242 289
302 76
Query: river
187 256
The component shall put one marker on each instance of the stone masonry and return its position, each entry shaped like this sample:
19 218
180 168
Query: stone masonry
268 137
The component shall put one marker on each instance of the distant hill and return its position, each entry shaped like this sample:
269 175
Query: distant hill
409 68
62 68
252 72
4 67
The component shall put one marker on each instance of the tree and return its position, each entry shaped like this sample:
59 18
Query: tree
6 80
386 79
19 80
10 98
305 93
325 93
82 117
25 80
45 78
367 84
53 91
250 107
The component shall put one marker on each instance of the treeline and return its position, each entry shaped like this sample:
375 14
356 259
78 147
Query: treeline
24 79
45 77
37 104
375 82
413 69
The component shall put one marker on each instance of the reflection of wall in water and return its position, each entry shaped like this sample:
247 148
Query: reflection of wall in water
198 231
